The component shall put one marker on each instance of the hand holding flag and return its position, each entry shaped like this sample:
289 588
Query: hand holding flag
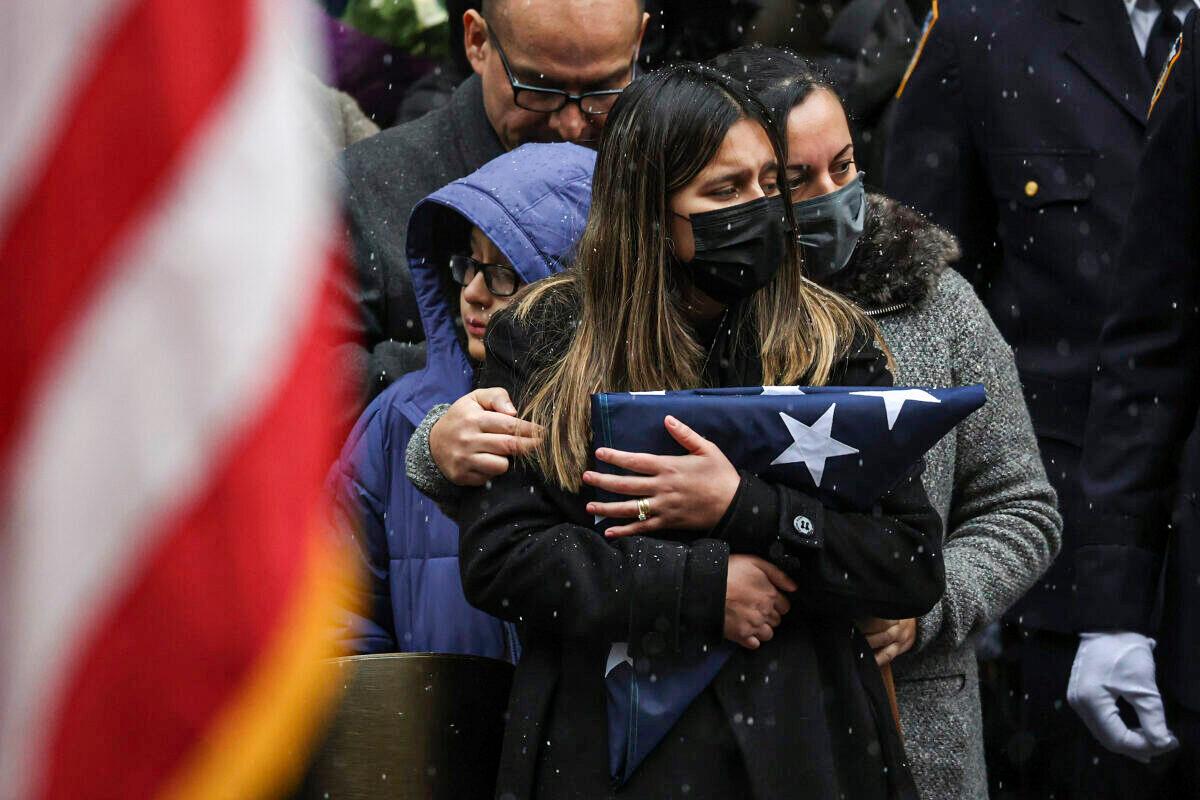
690 492
846 446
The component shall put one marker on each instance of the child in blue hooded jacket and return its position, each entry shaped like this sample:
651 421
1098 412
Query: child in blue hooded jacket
471 246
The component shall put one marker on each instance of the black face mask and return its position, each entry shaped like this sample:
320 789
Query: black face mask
738 249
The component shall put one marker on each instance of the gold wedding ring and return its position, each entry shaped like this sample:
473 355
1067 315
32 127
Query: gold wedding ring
643 506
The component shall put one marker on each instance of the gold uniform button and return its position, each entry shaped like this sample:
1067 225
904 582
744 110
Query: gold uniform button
1031 189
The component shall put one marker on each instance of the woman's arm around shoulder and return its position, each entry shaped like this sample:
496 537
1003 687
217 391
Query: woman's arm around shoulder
421 468
1003 528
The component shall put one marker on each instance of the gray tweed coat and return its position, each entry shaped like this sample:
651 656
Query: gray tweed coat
985 479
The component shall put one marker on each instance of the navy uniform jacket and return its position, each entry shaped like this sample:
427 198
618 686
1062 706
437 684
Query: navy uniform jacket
1019 128
1145 400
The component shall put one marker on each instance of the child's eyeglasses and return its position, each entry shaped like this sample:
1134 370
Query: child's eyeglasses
501 280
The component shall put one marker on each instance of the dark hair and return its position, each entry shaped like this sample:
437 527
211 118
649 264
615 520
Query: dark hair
673 121
780 78
632 332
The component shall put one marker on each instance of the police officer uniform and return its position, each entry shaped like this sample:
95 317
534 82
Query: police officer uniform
1142 453
1019 128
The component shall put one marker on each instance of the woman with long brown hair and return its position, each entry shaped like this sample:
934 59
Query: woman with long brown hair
686 276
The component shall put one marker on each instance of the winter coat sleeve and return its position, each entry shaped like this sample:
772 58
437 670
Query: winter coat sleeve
526 555
886 563
423 471
932 161
357 486
1003 528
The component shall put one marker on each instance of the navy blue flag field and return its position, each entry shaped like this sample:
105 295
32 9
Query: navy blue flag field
847 446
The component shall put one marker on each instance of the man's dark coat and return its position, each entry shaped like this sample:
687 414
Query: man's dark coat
385 176
1019 130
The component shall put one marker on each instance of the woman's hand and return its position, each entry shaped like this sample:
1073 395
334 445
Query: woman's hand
476 437
754 600
683 493
889 638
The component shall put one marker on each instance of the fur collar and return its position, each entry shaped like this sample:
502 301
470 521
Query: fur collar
899 258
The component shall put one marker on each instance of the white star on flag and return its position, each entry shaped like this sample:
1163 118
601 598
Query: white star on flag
619 652
812 444
894 399
782 390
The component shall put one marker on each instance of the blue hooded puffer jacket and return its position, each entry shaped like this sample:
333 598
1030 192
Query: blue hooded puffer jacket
532 203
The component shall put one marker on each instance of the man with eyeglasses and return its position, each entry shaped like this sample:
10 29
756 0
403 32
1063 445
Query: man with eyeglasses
545 70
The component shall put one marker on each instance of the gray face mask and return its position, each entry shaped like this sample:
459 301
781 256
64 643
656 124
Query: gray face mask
828 228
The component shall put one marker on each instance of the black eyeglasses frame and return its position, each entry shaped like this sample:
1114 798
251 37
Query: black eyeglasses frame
565 96
460 263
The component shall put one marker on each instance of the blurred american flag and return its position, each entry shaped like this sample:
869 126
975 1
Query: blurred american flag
165 247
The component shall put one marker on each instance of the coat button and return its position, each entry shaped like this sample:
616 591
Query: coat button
1031 188
803 526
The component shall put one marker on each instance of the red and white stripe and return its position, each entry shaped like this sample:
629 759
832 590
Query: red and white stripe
164 244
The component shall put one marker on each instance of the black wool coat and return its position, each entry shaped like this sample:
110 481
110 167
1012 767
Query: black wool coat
805 716
1019 131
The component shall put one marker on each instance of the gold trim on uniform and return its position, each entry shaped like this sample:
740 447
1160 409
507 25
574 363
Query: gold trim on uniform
930 20
1172 57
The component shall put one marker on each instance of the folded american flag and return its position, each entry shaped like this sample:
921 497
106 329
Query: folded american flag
847 446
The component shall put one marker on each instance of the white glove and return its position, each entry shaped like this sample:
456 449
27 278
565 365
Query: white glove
1112 665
